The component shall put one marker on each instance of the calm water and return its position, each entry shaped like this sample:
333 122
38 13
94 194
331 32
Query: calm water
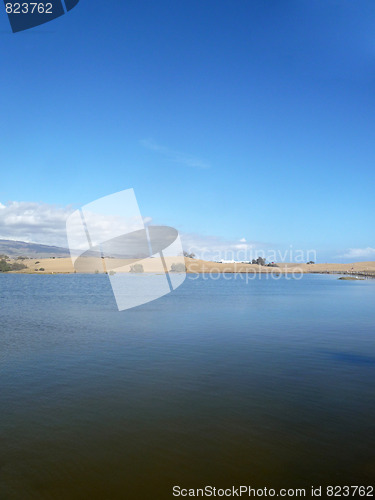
270 383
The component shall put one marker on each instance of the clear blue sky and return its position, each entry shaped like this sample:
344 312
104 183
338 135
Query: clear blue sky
245 119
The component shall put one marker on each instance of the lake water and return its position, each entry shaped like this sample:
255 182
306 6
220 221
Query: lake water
267 383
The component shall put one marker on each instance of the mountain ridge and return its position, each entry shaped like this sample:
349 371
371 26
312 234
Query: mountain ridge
16 248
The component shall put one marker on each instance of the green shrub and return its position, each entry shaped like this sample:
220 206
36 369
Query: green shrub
259 261
189 255
136 268
17 266
178 268
4 266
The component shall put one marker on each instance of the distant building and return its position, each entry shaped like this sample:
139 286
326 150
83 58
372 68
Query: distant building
222 261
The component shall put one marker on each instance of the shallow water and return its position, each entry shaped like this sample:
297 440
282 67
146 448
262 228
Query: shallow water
266 383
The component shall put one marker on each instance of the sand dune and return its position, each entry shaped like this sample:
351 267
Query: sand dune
92 265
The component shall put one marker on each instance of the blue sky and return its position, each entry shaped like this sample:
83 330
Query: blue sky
231 120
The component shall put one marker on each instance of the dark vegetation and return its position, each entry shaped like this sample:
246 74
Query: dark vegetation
189 255
178 268
7 266
260 261
136 268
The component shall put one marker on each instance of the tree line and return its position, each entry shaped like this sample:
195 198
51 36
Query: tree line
6 266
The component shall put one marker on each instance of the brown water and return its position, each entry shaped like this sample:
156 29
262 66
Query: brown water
269 383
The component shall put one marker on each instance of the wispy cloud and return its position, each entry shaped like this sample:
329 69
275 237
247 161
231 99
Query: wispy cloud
175 156
359 253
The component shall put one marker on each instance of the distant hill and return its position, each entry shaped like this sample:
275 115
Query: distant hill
18 248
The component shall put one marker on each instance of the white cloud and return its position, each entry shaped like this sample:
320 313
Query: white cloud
34 222
43 223
175 156
46 224
359 253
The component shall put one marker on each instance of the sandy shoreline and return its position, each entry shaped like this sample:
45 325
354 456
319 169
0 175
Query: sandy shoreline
63 265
